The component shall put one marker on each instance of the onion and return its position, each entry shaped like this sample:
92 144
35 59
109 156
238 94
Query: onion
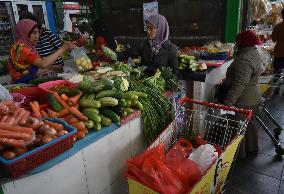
46 139
50 131
62 132
20 151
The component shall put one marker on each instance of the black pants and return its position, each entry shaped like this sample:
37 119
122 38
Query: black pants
278 64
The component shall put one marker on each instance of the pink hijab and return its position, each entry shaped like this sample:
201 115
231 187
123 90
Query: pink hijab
23 29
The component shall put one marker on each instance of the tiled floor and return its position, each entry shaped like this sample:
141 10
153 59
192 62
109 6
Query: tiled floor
261 173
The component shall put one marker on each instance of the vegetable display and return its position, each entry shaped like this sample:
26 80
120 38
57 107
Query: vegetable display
20 132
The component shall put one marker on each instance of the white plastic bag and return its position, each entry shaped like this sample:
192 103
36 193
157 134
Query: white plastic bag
81 59
4 94
204 156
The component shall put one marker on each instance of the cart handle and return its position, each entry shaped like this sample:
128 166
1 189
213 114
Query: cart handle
185 100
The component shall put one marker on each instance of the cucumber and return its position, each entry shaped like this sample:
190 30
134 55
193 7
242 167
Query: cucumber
139 106
53 103
128 111
110 93
110 114
97 126
128 103
93 110
139 94
105 121
108 101
129 96
88 103
103 84
122 102
92 116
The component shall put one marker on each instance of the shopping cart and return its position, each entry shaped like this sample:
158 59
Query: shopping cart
221 126
275 87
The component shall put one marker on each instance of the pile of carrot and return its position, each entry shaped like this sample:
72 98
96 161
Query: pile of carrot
70 112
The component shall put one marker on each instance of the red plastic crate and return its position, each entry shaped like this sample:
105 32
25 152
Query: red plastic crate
34 158
46 86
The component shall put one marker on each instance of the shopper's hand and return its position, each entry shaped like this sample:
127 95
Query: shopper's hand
68 45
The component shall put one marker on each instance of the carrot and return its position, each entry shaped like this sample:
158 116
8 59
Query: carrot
8 127
51 113
43 106
64 97
35 109
24 118
74 100
43 113
77 113
11 120
73 120
36 104
63 112
15 135
77 105
68 117
56 126
12 142
80 126
4 118
60 100
17 112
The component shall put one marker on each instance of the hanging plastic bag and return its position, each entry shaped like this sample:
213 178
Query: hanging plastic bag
204 156
82 61
4 94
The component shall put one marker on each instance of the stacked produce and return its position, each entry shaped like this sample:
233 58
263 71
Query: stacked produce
106 101
187 62
109 53
21 132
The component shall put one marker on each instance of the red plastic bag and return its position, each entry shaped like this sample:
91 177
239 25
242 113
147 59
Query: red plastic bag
157 153
180 149
186 170
150 170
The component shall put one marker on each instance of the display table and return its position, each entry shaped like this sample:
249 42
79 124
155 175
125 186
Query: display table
200 85
97 168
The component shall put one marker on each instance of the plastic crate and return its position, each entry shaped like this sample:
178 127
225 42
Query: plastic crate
214 56
34 158
46 86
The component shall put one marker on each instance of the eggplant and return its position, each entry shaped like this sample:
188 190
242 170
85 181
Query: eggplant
117 109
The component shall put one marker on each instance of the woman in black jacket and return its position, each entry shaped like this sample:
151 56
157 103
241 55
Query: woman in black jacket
157 50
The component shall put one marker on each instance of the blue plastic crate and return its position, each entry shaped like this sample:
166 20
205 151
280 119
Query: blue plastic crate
214 56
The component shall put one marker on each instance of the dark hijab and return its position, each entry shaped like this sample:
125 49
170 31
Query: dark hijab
100 30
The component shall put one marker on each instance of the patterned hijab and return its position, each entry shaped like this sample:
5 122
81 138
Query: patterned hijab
23 29
162 35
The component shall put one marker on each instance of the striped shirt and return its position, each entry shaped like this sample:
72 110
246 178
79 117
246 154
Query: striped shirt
48 43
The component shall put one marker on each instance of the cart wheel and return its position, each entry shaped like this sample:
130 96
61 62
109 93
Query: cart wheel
279 150
277 133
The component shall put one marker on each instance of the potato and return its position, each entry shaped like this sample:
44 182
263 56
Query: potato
9 155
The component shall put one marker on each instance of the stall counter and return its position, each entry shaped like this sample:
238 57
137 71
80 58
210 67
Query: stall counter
200 85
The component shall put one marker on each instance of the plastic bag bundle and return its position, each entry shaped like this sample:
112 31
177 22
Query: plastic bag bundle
4 94
261 8
82 61
204 156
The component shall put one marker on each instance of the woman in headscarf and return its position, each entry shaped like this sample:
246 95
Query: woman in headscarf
24 60
242 82
157 50
103 37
